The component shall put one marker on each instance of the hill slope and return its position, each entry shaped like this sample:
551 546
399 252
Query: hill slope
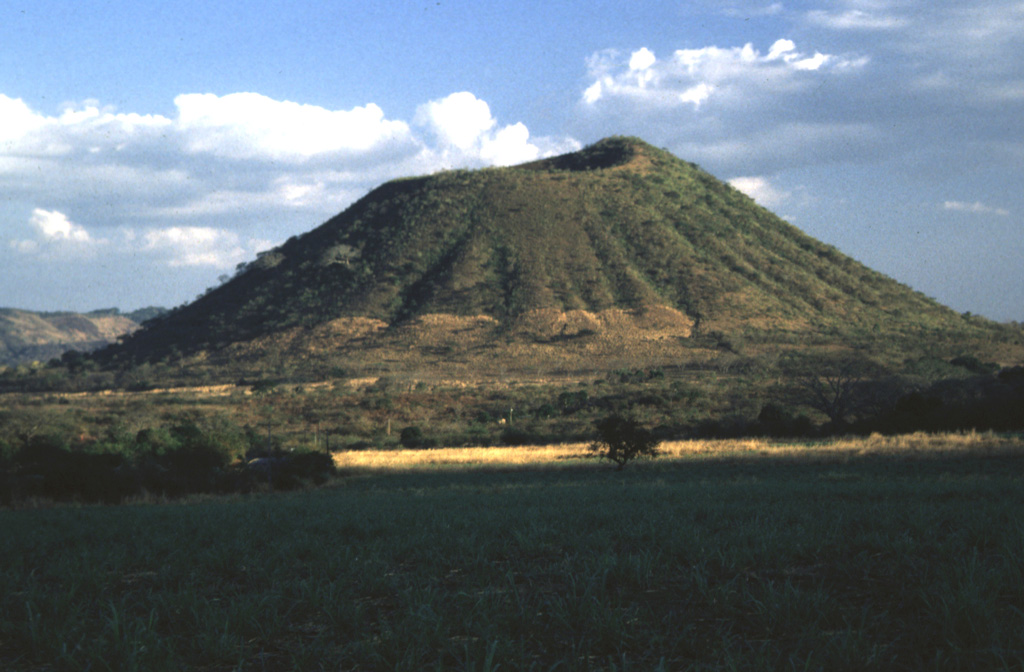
27 336
620 240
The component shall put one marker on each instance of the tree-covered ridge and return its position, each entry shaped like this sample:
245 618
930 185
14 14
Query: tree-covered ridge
619 224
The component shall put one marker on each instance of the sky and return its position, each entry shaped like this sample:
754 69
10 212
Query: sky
148 148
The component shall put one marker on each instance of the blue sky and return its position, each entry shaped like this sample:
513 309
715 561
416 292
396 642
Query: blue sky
148 148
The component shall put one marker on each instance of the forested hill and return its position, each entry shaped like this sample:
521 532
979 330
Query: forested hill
562 247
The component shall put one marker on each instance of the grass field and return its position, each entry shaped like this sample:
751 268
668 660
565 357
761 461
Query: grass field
881 553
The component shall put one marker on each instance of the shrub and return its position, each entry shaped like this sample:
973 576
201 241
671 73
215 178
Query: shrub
973 364
314 466
411 437
514 436
545 410
287 471
623 440
63 475
776 421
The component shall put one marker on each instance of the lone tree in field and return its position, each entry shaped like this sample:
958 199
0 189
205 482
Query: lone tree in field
839 387
623 440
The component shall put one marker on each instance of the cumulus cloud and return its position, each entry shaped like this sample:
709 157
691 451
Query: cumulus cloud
133 170
977 208
250 125
213 184
692 77
467 134
740 110
761 190
82 130
460 120
221 177
17 120
200 246
54 233
174 246
56 226
642 59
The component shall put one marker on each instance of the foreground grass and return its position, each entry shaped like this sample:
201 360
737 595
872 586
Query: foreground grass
884 554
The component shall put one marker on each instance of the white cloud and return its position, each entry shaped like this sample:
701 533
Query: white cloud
78 130
134 170
250 125
811 62
210 185
468 135
779 49
642 59
693 77
16 121
460 120
56 226
856 19
199 246
768 10
593 93
741 110
761 190
508 146
55 234
696 94
977 208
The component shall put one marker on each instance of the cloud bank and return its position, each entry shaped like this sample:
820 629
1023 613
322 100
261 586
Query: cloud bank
977 208
734 109
226 176
693 77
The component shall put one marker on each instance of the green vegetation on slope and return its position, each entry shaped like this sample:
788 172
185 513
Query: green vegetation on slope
620 224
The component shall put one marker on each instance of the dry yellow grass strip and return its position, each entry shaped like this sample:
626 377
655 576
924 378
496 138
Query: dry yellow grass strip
552 455
902 444
432 457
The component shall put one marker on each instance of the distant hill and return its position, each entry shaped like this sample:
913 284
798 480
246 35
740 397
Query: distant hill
611 256
27 336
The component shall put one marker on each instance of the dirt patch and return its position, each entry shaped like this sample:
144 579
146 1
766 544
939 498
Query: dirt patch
649 323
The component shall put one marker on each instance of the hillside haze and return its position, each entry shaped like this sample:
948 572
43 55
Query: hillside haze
620 247
27 336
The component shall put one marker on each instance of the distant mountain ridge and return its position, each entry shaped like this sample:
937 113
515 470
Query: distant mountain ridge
27 336
620 244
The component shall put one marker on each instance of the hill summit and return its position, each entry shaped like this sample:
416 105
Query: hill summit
618 248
